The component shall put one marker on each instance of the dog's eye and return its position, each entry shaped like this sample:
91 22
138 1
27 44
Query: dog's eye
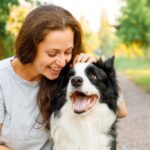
93 77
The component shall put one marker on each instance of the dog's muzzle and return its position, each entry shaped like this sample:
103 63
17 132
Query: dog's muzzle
81 102
76 81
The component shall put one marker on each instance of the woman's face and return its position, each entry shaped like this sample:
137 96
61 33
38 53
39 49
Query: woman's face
54 52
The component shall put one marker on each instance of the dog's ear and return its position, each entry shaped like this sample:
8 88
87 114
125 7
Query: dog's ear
109 63
99 62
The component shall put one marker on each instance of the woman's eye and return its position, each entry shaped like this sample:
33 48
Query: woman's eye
51 54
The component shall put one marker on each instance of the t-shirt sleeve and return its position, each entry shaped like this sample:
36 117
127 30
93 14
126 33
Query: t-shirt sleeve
2 107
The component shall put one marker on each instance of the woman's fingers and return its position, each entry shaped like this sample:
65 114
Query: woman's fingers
92 60
84 58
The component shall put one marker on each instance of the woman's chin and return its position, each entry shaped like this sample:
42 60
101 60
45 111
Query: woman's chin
52 77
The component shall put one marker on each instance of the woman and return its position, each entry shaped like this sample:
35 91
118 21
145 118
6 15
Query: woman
49 40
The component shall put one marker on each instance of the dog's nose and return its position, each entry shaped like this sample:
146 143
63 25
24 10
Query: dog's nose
76 81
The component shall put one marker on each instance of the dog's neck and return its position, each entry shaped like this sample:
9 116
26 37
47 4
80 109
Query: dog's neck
85 131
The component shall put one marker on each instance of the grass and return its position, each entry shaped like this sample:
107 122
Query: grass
125 63
137 70
140 77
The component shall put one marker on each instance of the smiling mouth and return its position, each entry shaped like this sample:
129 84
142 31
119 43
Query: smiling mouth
81 102
55 69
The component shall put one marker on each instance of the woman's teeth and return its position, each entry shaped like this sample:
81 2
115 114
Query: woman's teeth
55 69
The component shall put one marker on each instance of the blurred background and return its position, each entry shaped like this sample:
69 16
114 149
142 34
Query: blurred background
110 27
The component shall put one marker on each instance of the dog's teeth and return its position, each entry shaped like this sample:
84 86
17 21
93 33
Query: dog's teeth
88 101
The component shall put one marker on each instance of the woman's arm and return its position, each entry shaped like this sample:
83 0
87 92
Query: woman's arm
1 146
122 109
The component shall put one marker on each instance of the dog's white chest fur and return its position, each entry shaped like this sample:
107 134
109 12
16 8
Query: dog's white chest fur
72 131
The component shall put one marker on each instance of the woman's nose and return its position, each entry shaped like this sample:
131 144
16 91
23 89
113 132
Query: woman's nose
61 61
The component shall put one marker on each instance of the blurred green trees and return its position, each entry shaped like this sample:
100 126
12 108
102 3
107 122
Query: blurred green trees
132 29
5 37
133 26
12 14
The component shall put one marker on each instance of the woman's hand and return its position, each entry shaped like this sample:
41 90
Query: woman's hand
84 58
122 110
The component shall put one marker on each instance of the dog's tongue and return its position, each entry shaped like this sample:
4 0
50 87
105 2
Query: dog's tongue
80 104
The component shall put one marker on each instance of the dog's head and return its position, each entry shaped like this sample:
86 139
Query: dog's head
93 83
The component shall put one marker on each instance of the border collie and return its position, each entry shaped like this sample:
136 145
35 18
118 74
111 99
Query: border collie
84 115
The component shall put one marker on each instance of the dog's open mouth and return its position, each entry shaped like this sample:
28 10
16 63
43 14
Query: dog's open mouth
81 102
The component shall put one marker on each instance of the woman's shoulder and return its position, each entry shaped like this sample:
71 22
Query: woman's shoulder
5 63
5 66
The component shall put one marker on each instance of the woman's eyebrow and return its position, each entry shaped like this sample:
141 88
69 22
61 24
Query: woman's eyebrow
57 49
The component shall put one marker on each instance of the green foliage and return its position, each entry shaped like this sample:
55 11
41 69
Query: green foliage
141 77
4 13
134 24
144 82
137 70
5 37
9 24
124 63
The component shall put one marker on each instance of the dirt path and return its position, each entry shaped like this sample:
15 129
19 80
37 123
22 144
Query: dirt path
134 130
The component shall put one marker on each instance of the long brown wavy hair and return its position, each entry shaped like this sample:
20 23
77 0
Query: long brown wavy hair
36 26
38 23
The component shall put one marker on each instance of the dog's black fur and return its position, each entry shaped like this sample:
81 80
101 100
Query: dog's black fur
105 83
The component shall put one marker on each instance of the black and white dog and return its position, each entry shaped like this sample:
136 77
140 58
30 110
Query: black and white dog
84 115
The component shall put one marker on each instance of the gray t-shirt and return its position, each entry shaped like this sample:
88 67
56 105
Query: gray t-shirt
19 111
